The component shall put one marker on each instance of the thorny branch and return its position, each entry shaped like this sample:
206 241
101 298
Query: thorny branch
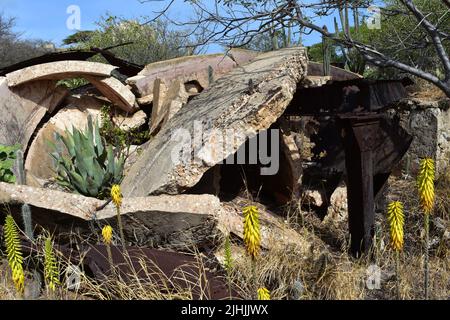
236 23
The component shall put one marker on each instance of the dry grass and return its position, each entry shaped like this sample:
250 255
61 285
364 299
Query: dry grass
325 271
328 272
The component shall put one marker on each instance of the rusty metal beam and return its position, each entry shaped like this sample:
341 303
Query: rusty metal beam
359 134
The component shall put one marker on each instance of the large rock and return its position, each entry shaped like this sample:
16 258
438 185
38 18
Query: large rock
175 221
239 105
23 107
58 71
189 69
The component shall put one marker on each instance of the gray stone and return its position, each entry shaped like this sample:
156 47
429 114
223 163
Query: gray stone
246 101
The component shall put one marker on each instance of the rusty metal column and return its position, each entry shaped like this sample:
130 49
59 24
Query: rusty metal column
359 135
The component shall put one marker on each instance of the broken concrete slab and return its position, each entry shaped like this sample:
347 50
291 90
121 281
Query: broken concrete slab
175 98
23 107
59 70
159 92
190 69
245 101
173 221
119 94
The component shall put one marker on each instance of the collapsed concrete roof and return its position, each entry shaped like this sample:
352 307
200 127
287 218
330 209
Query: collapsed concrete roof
248 99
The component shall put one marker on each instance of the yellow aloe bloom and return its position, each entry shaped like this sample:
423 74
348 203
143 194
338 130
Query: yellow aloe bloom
14 253
263 294
425 184
107 232
252 233
116 195
51 270
396 220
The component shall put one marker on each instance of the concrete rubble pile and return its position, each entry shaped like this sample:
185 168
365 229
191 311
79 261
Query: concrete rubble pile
178 203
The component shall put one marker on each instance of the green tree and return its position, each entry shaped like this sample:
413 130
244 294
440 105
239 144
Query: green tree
145 42
13 49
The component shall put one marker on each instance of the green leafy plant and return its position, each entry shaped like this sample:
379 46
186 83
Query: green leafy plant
88 166
115 135
7 157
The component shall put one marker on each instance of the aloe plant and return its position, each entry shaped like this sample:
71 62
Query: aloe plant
88 165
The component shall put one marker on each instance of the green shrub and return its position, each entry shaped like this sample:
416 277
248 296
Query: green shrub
88 165
7 157
115 135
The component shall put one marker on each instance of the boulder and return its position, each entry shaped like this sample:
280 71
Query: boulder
23 107
237 106
172 221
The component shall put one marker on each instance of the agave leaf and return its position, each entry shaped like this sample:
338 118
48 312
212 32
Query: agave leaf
69 142
78 182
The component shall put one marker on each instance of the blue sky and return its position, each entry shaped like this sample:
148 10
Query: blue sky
46 19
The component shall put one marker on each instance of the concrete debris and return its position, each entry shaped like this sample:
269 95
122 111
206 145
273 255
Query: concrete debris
59 71
247 100
193 69
23 107
182 221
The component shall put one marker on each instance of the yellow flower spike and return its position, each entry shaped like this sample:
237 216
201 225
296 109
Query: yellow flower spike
396 220
263 294
252 232
107 232
425 184
14 253
51 269
116 195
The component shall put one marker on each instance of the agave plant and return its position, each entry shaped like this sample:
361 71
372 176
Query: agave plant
88 166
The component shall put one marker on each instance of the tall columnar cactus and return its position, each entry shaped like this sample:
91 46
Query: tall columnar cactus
88 166
26 210
326 47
